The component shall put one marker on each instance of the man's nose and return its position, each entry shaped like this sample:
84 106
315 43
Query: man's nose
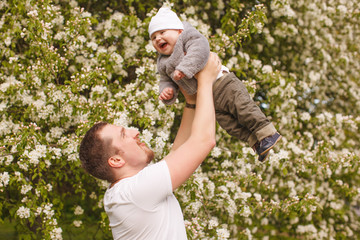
134 132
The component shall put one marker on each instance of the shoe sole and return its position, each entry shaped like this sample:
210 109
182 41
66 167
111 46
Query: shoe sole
267 150
263 160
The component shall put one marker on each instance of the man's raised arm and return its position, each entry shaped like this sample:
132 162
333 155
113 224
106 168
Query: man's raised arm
192 146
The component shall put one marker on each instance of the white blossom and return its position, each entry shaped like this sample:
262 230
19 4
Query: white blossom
25 189
38 211
310 228
48 211
33 13
305 116
246 212
248 233
78 210
213 223
216 152
267 69
4 179
257 197
77 223
222 233
56 233
23 212
93 195
36 154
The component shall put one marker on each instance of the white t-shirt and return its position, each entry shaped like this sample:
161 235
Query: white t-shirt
143 206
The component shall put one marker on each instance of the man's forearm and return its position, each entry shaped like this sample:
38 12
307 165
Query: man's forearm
185 128
204 120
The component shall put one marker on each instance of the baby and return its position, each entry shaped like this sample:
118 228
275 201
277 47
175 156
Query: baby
183 52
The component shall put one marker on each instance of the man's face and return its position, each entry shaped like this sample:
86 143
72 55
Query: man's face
165 40
130 148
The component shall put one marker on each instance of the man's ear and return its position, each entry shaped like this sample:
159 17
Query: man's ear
116 161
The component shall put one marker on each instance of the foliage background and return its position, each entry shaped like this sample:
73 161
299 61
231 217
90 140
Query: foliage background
66 64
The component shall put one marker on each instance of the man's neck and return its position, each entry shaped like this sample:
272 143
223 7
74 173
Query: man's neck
121 177
113 183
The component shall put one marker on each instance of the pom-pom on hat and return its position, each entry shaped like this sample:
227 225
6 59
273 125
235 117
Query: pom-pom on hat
164 19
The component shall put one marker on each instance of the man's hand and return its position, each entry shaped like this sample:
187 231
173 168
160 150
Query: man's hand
212 66
166 94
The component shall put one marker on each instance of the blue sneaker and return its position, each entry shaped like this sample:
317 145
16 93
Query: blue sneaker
263 147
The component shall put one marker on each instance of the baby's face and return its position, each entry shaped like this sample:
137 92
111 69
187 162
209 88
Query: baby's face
165 40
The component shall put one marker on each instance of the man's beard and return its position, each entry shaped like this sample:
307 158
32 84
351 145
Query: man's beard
149 153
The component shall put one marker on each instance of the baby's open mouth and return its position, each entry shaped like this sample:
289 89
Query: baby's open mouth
163 45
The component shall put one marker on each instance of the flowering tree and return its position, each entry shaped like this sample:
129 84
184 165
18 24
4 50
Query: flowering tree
67 64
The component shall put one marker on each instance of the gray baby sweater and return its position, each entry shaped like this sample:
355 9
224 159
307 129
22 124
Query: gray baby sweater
190 55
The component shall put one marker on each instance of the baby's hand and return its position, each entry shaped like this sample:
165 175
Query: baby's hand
178 75
166 94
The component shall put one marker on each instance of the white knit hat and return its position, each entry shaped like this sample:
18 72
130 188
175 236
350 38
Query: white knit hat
164 19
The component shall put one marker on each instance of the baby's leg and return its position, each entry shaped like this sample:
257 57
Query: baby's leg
246 120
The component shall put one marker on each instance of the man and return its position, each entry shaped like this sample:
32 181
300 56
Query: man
140 201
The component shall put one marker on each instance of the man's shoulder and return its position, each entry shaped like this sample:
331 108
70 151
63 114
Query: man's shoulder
157 167
143 177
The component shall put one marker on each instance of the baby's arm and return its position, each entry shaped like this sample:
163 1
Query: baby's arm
197 51
166 94
166 83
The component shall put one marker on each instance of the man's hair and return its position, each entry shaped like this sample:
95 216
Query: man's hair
94 153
